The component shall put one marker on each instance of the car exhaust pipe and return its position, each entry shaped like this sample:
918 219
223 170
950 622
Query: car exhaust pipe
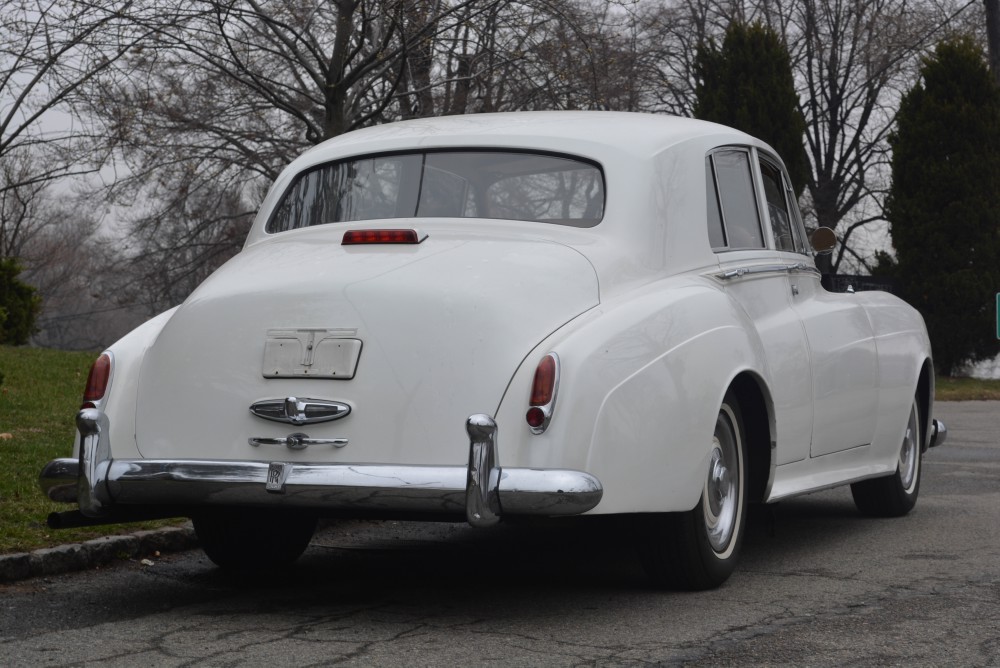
74 519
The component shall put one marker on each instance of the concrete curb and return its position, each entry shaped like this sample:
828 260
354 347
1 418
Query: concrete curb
96 552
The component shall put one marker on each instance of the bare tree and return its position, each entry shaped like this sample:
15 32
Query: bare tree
49 51
225 93
589 56
993 36
78 274
203 113
855 58
851 58
20 197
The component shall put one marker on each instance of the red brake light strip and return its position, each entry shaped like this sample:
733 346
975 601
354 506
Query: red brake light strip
358 237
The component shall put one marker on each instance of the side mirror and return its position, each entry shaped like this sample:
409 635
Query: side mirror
823 240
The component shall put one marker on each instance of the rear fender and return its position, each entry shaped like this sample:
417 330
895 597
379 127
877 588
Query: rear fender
641 383
119 402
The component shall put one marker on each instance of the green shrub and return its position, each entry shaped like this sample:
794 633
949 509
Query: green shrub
19 305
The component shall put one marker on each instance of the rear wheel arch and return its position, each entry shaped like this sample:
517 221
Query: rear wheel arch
758 420
925 399
699 549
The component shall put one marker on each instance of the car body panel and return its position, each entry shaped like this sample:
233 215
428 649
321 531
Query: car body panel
765 298
632 409
844 365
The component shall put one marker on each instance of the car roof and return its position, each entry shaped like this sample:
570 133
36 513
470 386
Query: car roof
587 133
652 165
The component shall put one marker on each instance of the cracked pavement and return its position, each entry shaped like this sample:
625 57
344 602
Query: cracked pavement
818 585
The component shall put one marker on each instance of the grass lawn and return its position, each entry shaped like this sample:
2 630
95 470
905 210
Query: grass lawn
966 389
39 397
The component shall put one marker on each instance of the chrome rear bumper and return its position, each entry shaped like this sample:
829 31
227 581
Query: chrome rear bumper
482 491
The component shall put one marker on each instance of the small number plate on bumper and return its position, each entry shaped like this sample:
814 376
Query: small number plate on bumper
277 474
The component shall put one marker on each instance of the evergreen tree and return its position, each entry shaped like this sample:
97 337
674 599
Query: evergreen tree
19 305
748 85
944 204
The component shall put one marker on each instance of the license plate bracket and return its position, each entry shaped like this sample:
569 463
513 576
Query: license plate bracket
306 352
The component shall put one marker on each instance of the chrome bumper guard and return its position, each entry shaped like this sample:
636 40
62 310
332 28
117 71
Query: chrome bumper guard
483 491
939 433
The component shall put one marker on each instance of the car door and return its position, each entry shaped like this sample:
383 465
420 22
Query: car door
842 352
756 281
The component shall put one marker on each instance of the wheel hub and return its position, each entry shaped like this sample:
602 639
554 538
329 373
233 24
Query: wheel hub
909 452
721 494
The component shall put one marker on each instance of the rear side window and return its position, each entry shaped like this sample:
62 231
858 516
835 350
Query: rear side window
454 184
733 181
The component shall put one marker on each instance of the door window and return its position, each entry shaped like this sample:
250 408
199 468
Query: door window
784 226
733 182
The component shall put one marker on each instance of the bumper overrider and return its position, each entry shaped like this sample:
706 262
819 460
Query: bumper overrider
939 434
115 490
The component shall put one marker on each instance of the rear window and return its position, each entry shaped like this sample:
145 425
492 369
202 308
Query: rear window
454 184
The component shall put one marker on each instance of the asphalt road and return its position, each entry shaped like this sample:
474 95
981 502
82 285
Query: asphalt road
818 585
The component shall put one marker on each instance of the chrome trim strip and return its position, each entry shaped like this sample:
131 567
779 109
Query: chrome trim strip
482 502
756 270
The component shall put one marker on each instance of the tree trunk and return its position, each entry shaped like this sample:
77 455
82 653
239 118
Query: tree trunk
993 36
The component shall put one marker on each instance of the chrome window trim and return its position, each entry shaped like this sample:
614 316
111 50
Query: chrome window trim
718 203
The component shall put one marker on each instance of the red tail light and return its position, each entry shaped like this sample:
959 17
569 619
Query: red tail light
543 394
356 237
97 381
536 419
545 381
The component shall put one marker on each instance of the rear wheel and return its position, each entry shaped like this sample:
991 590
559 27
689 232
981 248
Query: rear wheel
895 495
250 539
699 549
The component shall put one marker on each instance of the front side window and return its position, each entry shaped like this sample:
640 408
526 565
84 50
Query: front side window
787 236
454 184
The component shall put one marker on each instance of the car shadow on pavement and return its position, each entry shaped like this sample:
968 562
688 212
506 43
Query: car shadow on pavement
355 559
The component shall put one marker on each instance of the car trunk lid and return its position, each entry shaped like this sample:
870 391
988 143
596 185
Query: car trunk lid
413 338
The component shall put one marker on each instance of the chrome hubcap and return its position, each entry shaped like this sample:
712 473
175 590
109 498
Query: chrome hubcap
909 452
721 495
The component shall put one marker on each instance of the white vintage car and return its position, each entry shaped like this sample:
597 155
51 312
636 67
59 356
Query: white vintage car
497 316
